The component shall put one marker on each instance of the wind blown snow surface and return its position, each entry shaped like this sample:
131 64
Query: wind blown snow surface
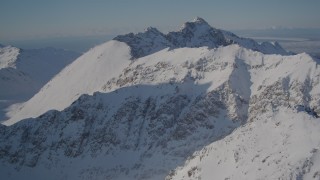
126 112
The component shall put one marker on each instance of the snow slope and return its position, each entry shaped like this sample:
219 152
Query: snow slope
85 75
162 108
24 72
280 145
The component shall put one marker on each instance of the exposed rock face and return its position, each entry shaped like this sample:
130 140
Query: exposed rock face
145 43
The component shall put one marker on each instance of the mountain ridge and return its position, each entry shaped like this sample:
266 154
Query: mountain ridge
196 33
154 117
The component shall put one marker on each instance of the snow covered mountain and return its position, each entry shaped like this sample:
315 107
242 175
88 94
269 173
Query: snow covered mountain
197 33
93 70
129 110
24 72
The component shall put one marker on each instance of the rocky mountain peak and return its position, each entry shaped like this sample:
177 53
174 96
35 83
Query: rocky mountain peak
199 20
195 33
152 30
196 23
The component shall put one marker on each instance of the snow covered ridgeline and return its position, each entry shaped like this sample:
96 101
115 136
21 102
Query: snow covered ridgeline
85 75
197 33
142 127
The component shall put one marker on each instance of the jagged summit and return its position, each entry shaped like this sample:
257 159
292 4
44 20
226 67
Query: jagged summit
152 29
199 20
145 43
196 33
196 22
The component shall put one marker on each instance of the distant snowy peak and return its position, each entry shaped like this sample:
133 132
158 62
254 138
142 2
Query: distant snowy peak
264 47
13 57
200 21
24 71
8 56
197 33
85 75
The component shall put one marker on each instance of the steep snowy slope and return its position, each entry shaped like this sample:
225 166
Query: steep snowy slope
280 145
43 64
163 107
84 76
90 72
281 139
24 72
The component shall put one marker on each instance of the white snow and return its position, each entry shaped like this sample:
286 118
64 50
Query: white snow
85 75
246 111
283 145
24 72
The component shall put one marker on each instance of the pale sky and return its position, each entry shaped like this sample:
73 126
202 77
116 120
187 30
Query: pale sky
32 19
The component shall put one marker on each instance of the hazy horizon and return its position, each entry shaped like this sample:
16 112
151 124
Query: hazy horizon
38 19
79 25
295 40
